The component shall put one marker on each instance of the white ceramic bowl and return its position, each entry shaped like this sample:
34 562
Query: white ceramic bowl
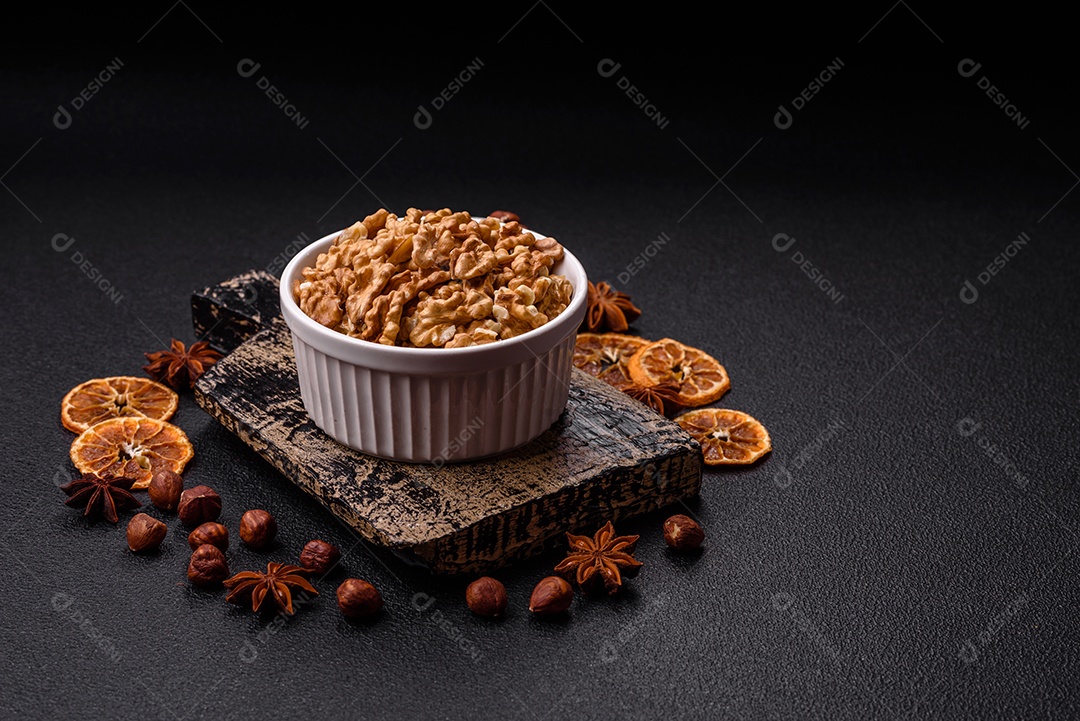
433 405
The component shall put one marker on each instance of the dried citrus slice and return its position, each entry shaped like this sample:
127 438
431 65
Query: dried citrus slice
605 356
726 437
131 447
700 377
117 397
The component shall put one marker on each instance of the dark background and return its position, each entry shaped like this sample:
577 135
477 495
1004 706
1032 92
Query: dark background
906 551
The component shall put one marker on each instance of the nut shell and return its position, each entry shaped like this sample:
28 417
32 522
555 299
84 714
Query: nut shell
145 533
683 534
319 556
199 505
551 596
358 599
257 528
165 489
210 532
486 597
207 566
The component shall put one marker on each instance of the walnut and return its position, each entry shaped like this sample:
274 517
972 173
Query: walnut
383 244
514 309
552 294
472 259
322 300
460 340
374 317
512 236
391 323
423 247
477 306
484 331
436 318
529 263
341 254
368 284
375 222
550 248
434 278
489 231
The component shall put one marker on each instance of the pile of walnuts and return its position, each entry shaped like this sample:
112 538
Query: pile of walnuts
434 279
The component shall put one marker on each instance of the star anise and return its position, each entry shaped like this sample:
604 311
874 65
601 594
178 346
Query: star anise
275 584
101 495
609 309
597 561
661 397
181 366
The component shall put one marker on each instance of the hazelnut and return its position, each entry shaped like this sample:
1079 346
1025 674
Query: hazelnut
505 216
199 505
145 533
165 489
551 596
210 532
207 566
683 533
486 597
319 556
358 598
257 528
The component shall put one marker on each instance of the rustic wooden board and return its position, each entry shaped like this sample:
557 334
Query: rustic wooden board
607 457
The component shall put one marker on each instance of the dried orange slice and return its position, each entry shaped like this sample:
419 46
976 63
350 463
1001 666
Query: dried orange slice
700 377
131 447
605 356
726 437
118 397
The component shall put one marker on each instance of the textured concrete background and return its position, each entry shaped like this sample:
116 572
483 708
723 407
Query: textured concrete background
907 550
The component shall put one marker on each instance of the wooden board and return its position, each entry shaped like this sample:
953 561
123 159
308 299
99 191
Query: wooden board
607 457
